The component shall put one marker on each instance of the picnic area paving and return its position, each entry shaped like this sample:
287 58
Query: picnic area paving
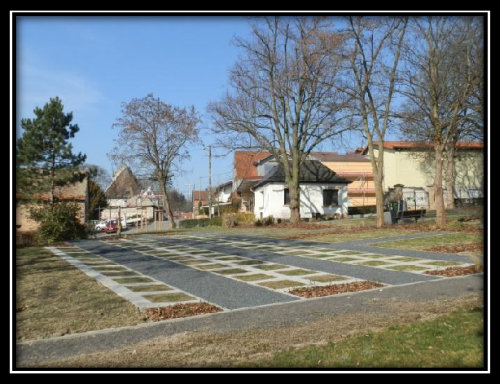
242 271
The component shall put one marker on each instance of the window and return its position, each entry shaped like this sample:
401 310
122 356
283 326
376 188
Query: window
330 197
286 196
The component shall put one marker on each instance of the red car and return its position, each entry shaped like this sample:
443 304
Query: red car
111 226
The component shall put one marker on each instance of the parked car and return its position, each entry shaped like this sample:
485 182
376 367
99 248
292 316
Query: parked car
111 226
101 225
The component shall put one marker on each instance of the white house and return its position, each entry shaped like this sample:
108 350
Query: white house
322 192
223 192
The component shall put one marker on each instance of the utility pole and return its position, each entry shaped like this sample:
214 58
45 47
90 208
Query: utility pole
210 181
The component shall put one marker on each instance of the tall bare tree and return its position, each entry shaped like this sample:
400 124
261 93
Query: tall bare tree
441 83
374 50
153 138
466 68
281 100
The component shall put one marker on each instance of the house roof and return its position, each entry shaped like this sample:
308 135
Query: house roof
200 195
311 171
124 184
423 145
222 186
335 157
244 167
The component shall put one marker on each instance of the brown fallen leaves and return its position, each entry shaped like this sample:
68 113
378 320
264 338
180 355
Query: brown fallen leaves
335 289
456 271
180 310
457 248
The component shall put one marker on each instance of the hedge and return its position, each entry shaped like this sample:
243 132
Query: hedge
193 223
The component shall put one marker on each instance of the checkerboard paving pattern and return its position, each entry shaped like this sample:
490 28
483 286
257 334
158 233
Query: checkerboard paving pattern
353 257
142 291
269 275
146 292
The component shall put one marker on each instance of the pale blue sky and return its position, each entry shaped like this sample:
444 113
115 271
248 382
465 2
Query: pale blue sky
94 64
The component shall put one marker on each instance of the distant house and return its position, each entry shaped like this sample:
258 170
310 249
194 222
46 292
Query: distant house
223 193
76 192
123 185
126 195
356 168
145 206
245 175
322 192
410 165
251 167
200 199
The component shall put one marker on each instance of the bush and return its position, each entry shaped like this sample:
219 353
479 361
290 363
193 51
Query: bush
58 222
269 220
229 220
258 223
193 223
245 218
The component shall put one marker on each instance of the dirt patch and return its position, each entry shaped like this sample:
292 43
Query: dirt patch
180 310
335 289
456 271
457 248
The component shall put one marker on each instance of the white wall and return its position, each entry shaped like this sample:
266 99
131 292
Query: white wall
269 201
224 195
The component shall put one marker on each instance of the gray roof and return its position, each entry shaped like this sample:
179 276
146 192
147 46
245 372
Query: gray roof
311 171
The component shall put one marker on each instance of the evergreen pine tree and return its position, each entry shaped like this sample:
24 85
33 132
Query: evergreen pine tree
44 157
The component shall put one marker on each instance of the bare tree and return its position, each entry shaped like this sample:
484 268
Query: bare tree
374 52
441 83
152 139
281 100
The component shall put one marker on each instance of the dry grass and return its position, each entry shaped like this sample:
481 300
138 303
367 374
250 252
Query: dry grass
53 298
248 348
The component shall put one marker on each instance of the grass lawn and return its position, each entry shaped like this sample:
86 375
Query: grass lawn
53 298
452 341
404 334
434 241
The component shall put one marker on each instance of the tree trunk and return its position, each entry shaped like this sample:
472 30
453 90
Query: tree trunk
166 206
438 188
450 174
378 177
379 204
294 191
119 222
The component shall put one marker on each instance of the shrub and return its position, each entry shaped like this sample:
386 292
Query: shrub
245 218
193 223
229 220
258 223
269 220
58 222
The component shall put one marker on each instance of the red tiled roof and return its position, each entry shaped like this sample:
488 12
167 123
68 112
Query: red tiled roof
335 157
244 164
420 144
200 195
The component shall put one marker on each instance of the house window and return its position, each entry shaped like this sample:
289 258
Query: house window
330 197
286 196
